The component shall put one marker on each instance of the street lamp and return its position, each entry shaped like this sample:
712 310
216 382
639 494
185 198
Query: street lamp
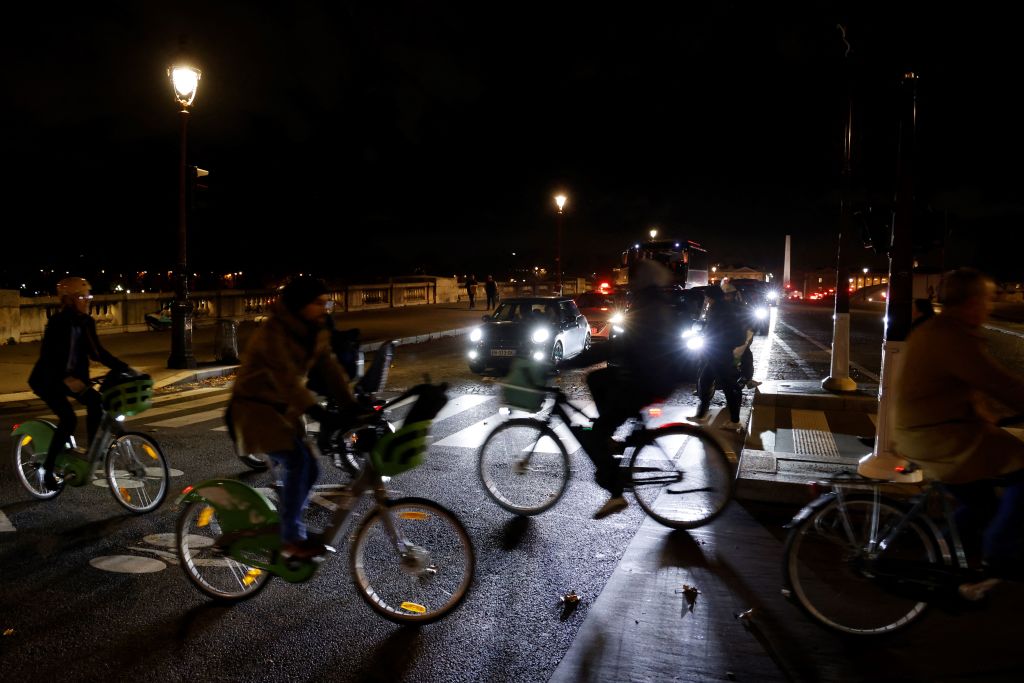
654 233
185 81
560 203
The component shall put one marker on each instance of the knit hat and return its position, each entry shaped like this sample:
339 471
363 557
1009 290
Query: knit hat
300 291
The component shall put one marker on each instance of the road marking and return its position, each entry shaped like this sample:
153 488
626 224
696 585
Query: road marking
5 524
127 564
459 404
156 401
192 418
860 368
801 363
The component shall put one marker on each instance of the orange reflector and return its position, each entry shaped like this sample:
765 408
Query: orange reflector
26 441
413 514
251 576
125 495
413 607
149 450
205 516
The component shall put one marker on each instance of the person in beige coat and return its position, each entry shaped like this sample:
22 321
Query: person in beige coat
270 397
943 424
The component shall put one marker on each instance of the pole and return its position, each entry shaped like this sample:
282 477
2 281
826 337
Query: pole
839 376
899 300
558 254
181 312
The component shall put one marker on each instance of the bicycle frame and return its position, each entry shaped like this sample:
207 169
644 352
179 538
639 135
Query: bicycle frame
78 471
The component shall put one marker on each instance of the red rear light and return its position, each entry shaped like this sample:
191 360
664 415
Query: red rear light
15 426
378 407
185 491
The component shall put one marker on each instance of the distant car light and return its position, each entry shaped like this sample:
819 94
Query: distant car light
760 313
476 335
540 335
695 343
773 295
473 355
538 356
616 319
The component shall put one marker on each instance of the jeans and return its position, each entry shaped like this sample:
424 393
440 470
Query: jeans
300 473
1002 519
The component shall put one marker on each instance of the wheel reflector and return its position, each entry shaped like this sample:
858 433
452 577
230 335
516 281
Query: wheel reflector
412 514
127 497
413 607
149 450
205 516
251 576
26 441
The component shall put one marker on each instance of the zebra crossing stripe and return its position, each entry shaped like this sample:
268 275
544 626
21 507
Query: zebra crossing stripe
191 418
158 400
459 404
5 524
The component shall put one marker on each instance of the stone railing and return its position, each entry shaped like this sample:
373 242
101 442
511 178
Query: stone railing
24 319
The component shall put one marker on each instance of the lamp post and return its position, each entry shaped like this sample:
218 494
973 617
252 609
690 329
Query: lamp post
653 233
560 203
185 80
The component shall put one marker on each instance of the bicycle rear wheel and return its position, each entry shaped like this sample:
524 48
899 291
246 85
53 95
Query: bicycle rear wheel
681 476
430 578
208 568
28 465
827 570
524 466
137 473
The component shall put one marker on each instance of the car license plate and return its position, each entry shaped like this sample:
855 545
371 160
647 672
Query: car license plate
503 352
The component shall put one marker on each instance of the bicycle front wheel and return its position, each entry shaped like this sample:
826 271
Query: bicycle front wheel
524 466
681 476
207 567
828 568
412 560
28 465
137 472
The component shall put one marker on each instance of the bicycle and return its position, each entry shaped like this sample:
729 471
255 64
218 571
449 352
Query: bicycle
411 559
134 465
867 564
678 473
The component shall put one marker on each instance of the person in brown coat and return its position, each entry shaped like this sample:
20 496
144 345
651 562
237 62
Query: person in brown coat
943 425
270 397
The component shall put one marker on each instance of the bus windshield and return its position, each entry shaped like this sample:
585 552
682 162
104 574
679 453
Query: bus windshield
687 260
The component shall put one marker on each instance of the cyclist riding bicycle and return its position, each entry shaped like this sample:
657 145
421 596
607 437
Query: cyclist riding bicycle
69 343
646 372
943 424
270 397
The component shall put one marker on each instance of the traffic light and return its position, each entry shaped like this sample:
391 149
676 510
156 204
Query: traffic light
875 227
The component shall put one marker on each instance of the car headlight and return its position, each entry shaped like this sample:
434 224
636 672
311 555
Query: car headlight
476 335
773 295
760 313
695 343
540 335
616 319
617 329
689 332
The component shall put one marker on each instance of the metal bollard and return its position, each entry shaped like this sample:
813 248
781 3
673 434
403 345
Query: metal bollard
225 341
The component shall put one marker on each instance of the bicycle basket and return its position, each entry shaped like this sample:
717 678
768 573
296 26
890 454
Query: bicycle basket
524 386
402 450
129 398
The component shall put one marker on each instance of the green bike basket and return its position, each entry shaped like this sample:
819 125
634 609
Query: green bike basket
129 398
524 386
402 450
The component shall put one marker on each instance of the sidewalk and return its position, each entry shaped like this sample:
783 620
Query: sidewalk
148 351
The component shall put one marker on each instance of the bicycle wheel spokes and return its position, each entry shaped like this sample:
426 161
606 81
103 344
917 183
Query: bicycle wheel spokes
681 477
524 466
426 581
214 573
137 472
28 465
832 577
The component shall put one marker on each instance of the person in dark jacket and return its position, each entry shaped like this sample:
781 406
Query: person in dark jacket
724 335
270 397
491 289
69 343
643 375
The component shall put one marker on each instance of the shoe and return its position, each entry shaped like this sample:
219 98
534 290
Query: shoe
700 419
731 426
52 481
611 506
976 592
306 549
753 384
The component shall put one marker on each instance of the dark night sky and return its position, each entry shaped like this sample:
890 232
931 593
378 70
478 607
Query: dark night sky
379 139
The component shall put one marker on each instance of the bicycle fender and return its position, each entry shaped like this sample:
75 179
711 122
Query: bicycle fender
238 506
40 431
809 509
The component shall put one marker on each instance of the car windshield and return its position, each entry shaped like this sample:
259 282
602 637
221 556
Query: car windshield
526 312
595 300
